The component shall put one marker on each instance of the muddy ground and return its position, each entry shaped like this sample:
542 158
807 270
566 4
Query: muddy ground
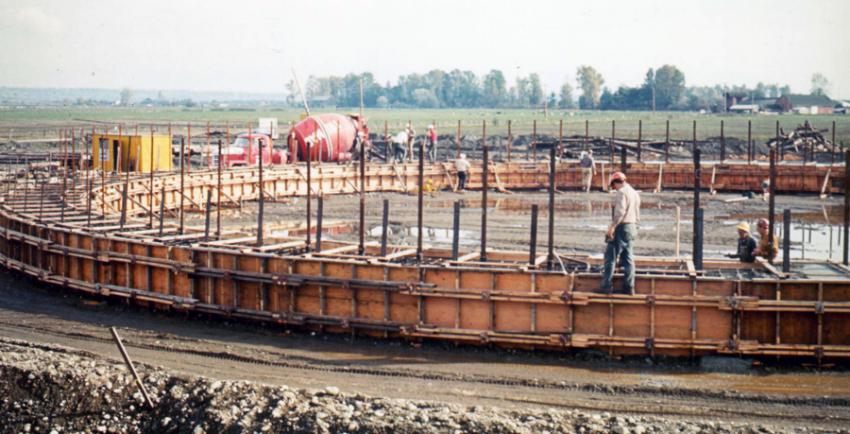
580 220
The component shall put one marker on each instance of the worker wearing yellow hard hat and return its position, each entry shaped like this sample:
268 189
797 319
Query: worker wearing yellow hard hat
746 244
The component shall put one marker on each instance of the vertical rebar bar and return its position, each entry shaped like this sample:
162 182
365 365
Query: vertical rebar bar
749 141
456 230
722 142
362 145
532 242
534 140
150 180
207 215
218 195
261 198
786 241
772 195
485 175
611 142
697 187
182 182
161 209
846 206
667 142
640 140
832 149
385 222
420 201
550 257
308 145
320 216
698 237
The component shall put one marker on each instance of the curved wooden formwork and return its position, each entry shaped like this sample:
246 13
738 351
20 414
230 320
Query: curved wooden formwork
725 308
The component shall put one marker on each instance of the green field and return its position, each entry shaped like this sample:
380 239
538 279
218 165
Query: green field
681 123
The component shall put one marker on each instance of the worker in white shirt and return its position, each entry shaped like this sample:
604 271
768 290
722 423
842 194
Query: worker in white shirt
462 166
621 235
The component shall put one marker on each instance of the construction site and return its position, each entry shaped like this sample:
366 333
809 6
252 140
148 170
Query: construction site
358 293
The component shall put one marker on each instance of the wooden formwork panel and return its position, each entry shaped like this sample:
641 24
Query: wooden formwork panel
592 319
632 321
555 318
512 316
475 315
758 326
712 323
160 277
836 329
836 291
181 282
798 328
673 322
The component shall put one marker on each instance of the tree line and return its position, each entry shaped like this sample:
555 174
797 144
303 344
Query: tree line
664 88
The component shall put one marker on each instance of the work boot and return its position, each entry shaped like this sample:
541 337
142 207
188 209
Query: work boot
627 291
601 290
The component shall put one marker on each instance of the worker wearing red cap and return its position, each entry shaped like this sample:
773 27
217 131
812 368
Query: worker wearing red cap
621 234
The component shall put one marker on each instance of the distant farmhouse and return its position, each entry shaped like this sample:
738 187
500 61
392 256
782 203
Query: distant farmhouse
807 104
790 103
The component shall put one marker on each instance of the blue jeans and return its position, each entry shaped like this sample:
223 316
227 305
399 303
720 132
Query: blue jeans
621 246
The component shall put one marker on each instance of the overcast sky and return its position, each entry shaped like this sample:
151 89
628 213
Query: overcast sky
252 45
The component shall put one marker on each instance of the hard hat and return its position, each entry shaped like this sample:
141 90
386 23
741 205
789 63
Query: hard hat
462 155
430 127
743 226
617 176
763 222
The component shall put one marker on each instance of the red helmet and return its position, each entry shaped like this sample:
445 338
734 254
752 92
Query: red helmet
617 176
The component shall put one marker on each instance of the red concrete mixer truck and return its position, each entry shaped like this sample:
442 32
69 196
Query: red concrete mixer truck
332 137
245 151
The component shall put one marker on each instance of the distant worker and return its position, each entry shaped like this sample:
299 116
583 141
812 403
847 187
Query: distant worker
588 169
400 147
432 144
621 235
746 244
462 165
766 248
411 135
765 189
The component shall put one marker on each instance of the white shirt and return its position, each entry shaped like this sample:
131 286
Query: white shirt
626 205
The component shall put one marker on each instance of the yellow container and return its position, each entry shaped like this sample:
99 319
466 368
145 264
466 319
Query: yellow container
131 153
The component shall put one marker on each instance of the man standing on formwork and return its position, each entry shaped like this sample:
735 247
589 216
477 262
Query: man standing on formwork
411 136
400 147
621 235
588 169
432 144
462 166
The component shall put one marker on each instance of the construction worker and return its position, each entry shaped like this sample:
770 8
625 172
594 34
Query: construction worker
462 166
588 169
746 244
400 146
766 248
411 136
621 234
432 144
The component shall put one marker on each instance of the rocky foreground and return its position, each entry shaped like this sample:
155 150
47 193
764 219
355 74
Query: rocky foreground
52 389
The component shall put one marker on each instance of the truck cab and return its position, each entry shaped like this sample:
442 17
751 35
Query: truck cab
245 151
